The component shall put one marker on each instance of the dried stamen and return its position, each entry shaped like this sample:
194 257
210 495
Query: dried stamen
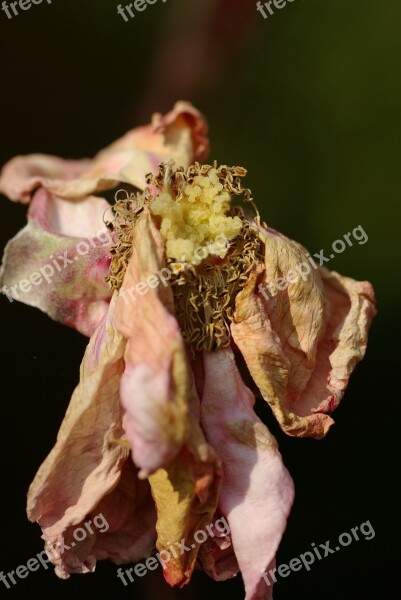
210 245
205 296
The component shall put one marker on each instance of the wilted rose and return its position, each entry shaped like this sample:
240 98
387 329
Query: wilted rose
160 379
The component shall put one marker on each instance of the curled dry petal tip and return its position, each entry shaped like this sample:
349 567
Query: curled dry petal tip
64 215
180 135
301 345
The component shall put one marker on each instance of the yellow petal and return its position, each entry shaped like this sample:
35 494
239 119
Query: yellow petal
186 496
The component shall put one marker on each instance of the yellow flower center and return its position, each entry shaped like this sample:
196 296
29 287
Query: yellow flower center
210 245
194 222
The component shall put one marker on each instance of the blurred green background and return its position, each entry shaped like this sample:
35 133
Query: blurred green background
308 101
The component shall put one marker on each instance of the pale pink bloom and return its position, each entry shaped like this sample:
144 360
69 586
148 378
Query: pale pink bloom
159 381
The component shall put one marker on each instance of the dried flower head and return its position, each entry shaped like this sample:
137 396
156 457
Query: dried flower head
161 436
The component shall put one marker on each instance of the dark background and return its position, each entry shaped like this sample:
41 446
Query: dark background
308 101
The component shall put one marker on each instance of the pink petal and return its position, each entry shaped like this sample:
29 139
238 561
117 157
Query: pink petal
61 275
269 367
301 343
62 205
76 219
162 407
127 533
257 491
153 388
24 174
296 314
350 310
155 422
180 135
87 474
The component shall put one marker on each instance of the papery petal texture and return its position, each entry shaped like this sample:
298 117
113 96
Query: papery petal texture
186 494
161 439
217 557
257 490
162 407
64 213
87 473
291 341
64 276
153 387
22 175
351 307
180 135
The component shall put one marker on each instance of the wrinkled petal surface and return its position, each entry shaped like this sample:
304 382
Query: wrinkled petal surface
180 135
63 214
86 473
217 557
153 388
257 490
186 494
350 309
24 174
294 339
64 276
162 408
